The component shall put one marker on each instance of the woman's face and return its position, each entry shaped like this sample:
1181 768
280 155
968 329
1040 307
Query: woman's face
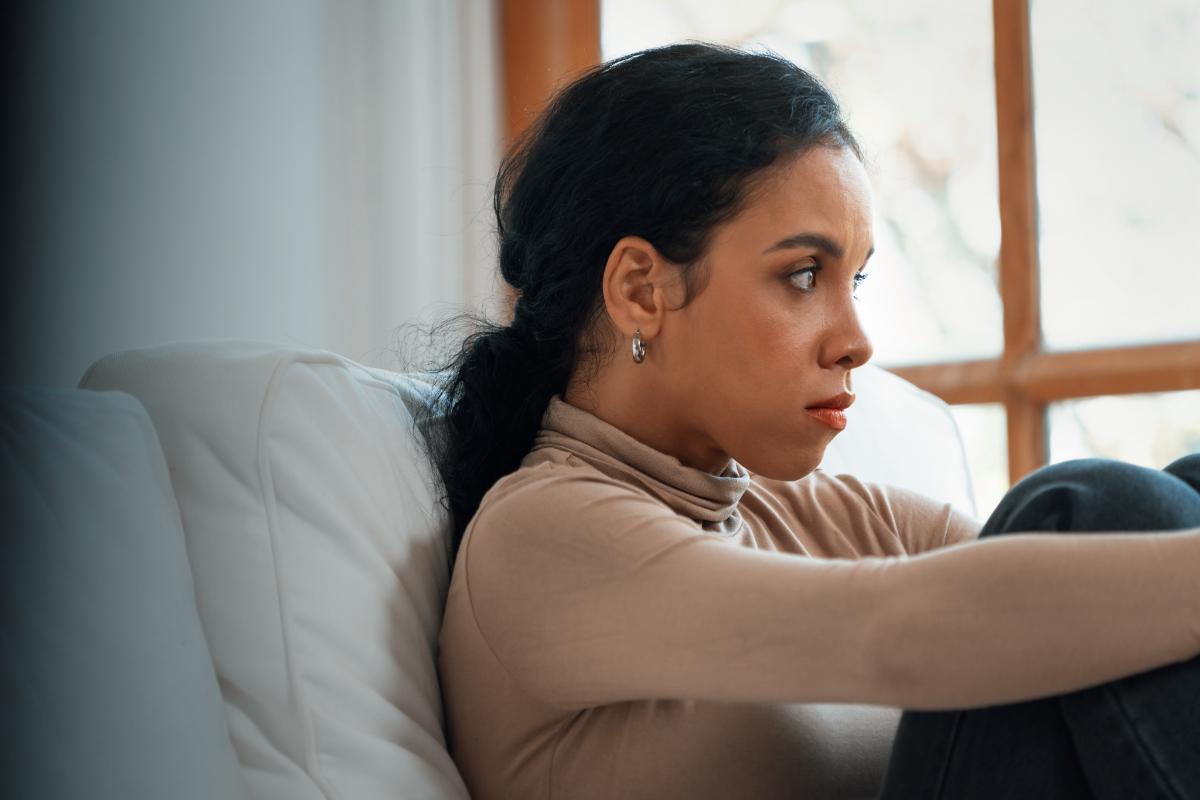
776 327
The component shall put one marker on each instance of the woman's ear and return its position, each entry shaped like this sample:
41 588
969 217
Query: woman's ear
636 285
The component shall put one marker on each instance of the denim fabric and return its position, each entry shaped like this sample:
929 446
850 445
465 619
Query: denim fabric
1132 738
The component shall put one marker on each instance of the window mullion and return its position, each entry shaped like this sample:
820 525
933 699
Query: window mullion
1018 231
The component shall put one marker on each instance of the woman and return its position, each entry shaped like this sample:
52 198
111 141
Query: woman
658 594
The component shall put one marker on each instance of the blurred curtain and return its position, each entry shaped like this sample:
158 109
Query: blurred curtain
417 113
306 171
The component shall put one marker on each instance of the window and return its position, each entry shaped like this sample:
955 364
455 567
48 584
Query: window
1041 291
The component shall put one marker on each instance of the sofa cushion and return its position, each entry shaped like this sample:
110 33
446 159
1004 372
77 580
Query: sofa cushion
108 687
902 435
320 557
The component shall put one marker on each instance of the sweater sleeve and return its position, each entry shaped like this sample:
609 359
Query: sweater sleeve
921 523
590 592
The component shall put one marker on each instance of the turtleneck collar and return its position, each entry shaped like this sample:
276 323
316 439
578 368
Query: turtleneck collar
710 499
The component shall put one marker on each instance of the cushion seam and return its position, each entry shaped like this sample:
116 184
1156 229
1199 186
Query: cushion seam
267 486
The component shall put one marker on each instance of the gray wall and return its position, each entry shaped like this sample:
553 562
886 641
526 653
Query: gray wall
291 170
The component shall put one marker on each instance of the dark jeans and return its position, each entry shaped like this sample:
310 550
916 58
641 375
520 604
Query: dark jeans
1132 738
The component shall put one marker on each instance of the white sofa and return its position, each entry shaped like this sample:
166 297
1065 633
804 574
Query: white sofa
227 569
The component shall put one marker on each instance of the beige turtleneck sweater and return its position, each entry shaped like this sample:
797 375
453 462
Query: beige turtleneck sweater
620 625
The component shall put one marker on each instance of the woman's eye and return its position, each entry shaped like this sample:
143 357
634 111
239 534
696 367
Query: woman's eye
806 282
859 277
808 279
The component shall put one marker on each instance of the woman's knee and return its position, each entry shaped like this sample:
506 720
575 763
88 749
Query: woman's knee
1096 494
1187 469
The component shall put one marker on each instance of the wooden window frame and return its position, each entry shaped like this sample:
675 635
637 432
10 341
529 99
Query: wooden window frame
546 42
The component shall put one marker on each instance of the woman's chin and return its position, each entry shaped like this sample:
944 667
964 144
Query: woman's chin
792 466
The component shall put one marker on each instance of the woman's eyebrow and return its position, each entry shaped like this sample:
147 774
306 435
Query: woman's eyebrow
817 240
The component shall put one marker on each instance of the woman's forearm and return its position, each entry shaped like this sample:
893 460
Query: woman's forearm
1020 616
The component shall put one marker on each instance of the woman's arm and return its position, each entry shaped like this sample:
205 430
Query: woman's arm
590 592
1019 616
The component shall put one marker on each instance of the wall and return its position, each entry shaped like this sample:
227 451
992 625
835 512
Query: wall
312 173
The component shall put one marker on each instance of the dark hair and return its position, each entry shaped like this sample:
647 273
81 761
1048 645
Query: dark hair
660 144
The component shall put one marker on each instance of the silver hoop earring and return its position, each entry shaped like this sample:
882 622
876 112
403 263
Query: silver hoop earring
639 347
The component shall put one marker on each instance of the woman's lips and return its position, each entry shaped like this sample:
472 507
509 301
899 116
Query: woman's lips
830 416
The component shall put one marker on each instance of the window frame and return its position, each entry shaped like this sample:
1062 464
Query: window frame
547 42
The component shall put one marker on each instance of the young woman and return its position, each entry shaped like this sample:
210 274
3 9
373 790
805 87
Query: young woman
657 593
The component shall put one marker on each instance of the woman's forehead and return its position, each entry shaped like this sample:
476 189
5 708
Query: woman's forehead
824 191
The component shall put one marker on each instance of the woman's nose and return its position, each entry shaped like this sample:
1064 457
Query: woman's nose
850 345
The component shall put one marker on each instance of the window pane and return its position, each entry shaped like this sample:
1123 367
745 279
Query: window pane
928 131
1147 429
985 436
1117 124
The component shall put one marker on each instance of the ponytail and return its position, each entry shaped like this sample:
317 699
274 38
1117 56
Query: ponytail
490 408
